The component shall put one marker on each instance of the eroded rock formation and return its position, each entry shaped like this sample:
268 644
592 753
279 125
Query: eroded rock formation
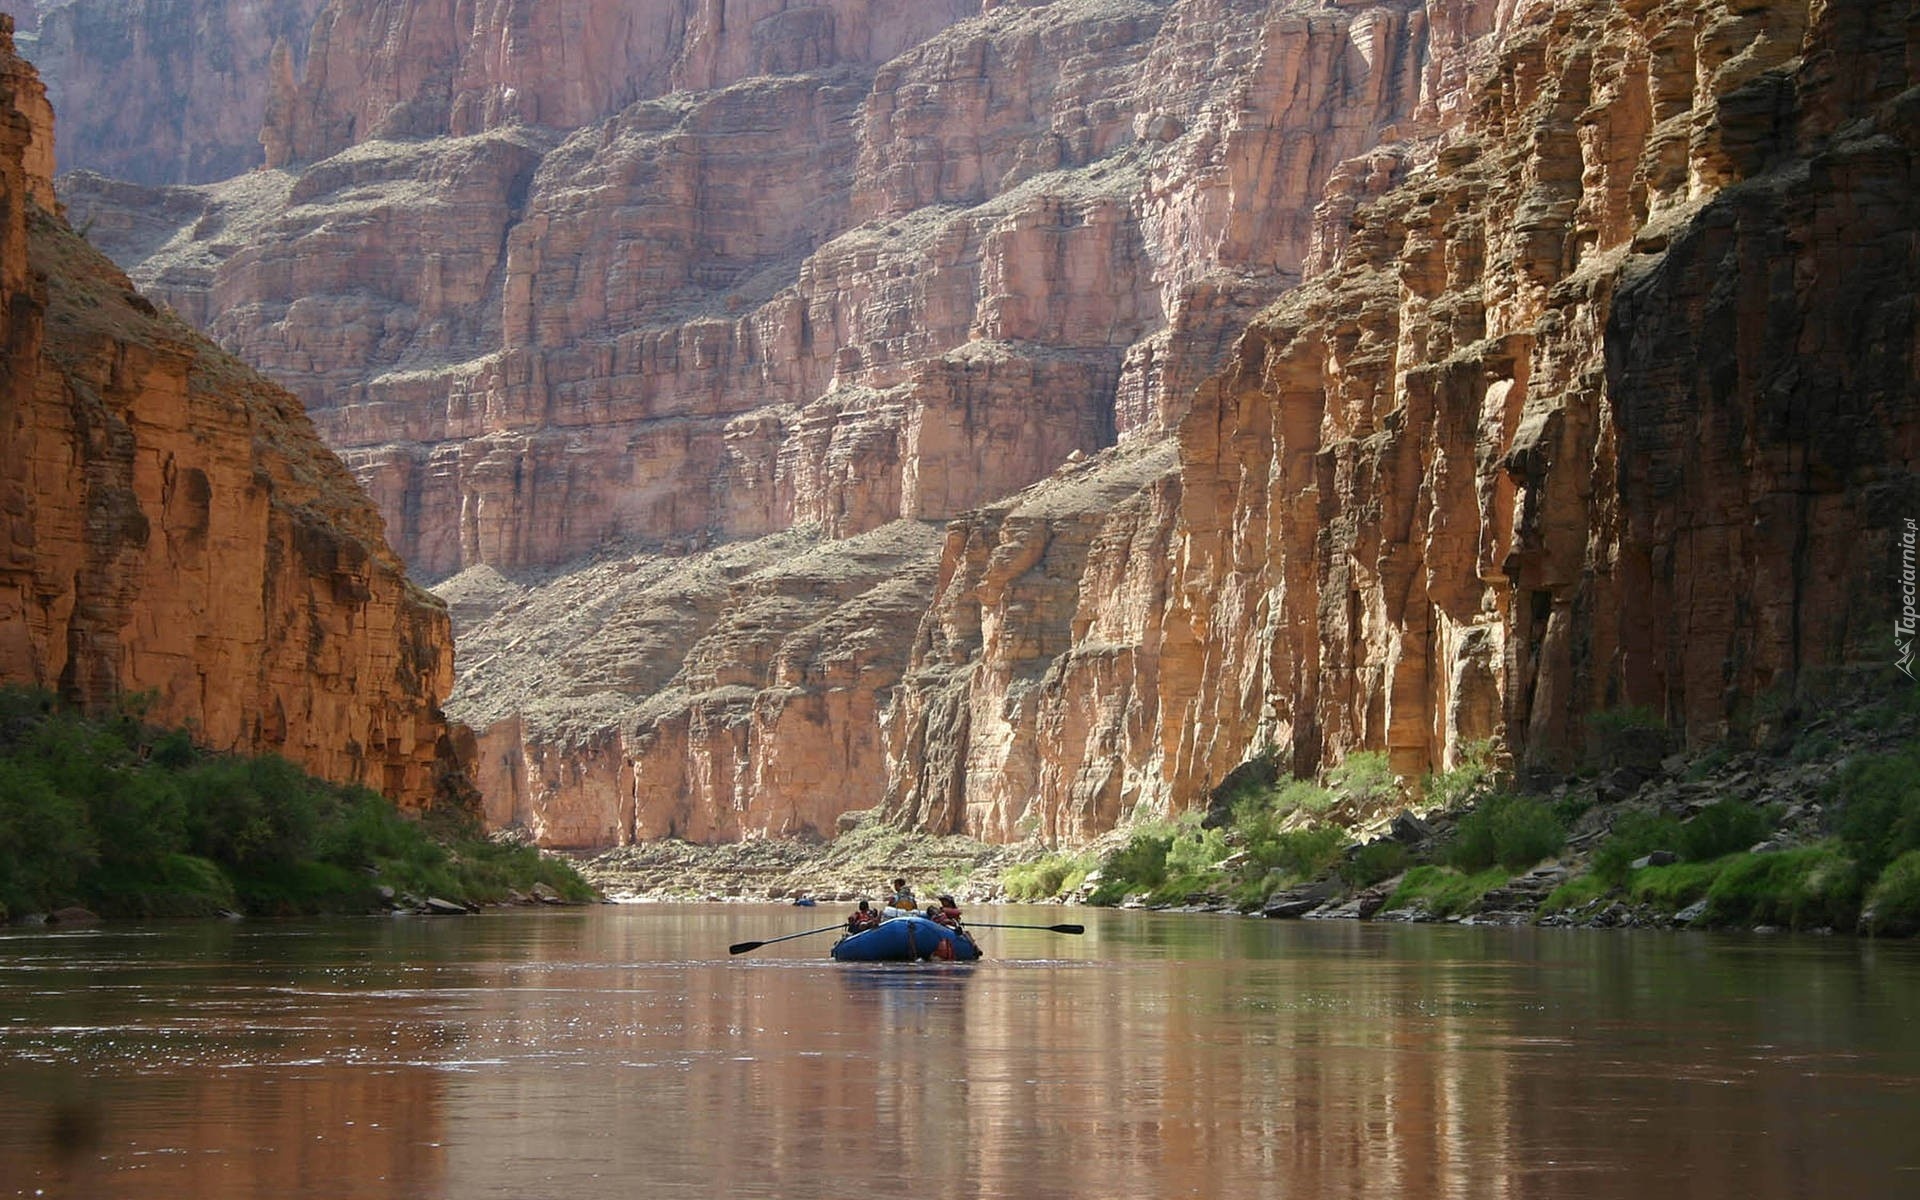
870 263
1608 401
163 91
174 526
1392 376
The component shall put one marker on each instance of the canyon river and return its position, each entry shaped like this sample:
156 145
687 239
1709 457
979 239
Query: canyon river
621 1052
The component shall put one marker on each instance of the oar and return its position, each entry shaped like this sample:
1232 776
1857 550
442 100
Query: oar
1048 928
743 947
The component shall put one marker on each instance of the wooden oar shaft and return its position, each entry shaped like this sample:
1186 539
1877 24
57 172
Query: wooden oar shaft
1045 928
743 947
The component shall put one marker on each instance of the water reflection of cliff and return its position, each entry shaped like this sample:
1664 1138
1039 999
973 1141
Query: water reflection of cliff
214 1060
624 1055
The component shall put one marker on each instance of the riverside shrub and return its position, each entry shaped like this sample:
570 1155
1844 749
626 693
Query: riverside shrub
1044 879
1374 862
1514 832
1633 835
1443 891
131 820
1473 775
1879 799
1808 888
1894 903
1723 827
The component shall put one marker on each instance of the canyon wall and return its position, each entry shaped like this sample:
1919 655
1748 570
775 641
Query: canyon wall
757 269
1018 415
1609 402
162 91
175 528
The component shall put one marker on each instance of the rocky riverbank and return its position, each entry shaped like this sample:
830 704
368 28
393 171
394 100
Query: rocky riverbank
859 862
1774 828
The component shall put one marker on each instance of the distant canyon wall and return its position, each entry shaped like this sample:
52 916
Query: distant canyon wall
174 527
1018 418
162 91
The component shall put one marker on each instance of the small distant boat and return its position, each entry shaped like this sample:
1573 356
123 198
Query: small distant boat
906 939
804 901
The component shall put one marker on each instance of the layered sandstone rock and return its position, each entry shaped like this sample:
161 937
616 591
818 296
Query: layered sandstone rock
1575 404
162 91
174 527
724 312
1608 402
890 262
727 693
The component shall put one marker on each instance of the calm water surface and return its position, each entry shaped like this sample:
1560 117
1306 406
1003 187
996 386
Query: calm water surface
620 1052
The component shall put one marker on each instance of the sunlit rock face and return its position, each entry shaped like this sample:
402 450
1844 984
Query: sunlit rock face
1016 415
162 91
174 528
1610 402
1601 397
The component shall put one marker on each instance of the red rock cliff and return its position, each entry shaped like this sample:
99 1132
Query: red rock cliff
162 91
174 526
1564 367
1609 399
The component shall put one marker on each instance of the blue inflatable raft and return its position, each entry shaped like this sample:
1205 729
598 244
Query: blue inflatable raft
906 939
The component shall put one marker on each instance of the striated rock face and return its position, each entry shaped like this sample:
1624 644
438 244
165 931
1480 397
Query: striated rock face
1605 399
872 262
174 527
822 288
711 696
1291 377
380 69
1609 404
162 91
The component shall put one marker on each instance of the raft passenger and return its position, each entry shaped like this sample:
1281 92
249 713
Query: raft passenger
863 918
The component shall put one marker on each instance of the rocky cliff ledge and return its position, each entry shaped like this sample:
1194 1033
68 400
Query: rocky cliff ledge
1607 400
174 527
1198 379
162 91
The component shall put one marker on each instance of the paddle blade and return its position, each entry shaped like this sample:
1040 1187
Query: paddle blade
1068 928
743 947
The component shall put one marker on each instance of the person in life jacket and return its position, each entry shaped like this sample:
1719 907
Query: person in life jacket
947 912
863 918
902 897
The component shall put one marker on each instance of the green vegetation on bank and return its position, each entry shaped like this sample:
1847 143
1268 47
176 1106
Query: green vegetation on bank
1267 833
1802 827
129 820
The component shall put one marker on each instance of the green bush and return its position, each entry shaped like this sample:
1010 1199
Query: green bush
1443 891
171 885
46 847
1575 893
1366 777
1674 887
1808 888
1895 900
134 821
1633 835
1138 866
1375 861
1879 800
1305 853
289 889
1465 782
1195 849
1045 878
1513 831
1723 827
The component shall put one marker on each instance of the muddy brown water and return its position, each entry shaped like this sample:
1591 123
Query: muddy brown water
621 1052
